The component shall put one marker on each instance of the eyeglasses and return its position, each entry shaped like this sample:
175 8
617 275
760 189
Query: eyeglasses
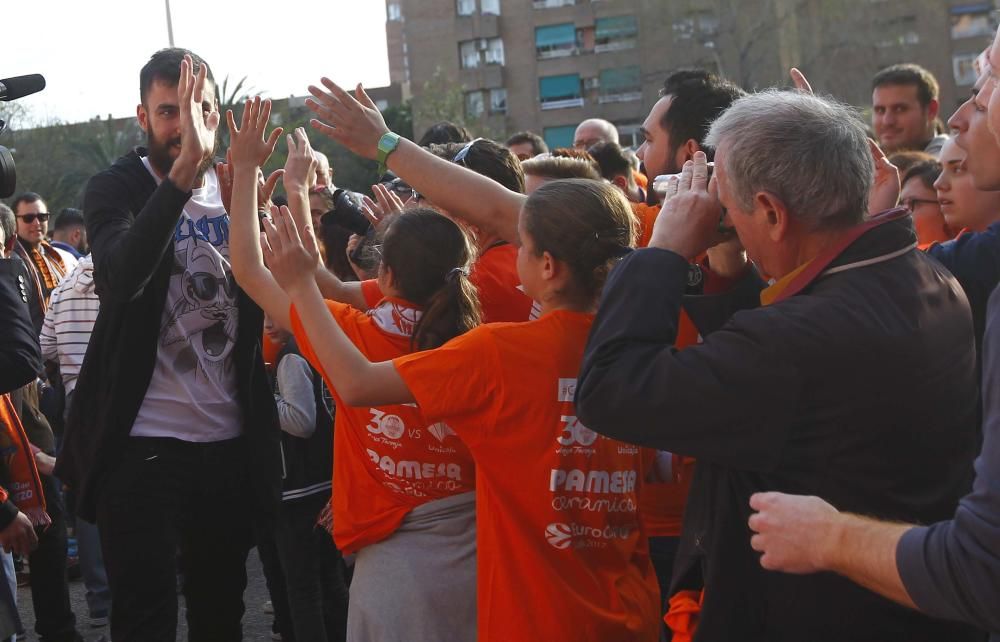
462 153
912 203
30 218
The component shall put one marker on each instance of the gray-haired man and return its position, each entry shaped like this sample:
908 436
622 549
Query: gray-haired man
853 376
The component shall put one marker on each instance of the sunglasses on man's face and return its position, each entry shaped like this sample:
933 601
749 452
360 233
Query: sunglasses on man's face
30 218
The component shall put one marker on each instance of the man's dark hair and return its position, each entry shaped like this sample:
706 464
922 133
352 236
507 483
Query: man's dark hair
68 217
926 172
909 74
611 159
26 197
165 66
489 158
538 145
699 97
444 132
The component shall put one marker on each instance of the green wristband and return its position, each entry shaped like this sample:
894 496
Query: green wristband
386 145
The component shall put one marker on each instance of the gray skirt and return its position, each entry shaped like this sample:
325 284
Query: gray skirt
419 584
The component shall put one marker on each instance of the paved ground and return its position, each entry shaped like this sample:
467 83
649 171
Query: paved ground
256 623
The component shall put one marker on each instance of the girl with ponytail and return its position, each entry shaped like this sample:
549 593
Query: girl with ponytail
403 487
562 555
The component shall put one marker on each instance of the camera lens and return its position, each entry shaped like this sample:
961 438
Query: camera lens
8 177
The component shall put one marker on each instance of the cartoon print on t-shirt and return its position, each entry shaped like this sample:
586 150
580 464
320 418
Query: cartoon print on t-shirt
200 329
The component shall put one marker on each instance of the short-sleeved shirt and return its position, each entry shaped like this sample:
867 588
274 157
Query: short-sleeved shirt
562 555
389 459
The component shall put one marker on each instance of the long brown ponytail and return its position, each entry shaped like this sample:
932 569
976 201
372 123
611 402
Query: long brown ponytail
429 256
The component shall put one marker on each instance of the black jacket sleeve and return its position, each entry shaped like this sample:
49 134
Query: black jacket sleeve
127 249
728 400
20 356
8 511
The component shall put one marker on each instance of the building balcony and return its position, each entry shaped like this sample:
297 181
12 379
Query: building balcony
615 45
562 103
551 4
623 97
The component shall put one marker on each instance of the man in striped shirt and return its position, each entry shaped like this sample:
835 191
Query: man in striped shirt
65 334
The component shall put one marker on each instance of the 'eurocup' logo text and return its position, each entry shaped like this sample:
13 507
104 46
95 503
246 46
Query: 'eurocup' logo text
559 535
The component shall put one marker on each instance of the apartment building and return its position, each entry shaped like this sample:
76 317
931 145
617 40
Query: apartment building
545 65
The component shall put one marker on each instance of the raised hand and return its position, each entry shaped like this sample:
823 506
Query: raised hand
197 124
688 224
352 121
300 168
291 264
386 203
884 194
248 147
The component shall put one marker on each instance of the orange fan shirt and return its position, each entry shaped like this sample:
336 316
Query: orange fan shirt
645 216
500 295
389 459
561 552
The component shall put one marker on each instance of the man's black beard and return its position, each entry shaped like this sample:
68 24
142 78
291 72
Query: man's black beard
159 155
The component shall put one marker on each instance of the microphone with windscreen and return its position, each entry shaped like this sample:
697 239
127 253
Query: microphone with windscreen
21 86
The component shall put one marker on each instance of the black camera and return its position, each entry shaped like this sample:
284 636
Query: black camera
347 213
8 176
12 89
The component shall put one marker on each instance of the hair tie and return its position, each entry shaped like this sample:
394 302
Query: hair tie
454 273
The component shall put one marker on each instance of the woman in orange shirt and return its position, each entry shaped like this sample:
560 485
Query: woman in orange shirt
562 555
402 487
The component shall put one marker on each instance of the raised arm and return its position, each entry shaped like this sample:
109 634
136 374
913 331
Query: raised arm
358 381
300 172
128 247
249 150
356 123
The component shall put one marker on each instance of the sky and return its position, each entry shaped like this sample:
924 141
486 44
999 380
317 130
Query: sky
91 51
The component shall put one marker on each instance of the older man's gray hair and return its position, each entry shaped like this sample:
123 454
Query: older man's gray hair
810 152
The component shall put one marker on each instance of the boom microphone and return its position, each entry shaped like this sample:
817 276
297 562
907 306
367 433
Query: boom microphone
21 86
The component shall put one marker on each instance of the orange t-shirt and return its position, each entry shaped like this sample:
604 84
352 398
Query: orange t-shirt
646 216
500 295
389 459
561 552
494 275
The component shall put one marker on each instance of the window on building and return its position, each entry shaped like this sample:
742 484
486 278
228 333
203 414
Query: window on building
554 41
394 11
474 104
479 52
559 136
620 85
617 32
489 7
382 104
964 68
465 7
494 51
702 24
551 4
468 53
498 101
971 21
898 32
556 92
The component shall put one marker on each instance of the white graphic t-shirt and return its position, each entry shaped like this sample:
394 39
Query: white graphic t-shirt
192 395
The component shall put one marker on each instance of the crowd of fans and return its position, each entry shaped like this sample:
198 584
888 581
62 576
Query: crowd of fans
516 393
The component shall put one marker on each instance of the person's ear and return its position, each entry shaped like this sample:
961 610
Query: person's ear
686 152
933 108
776 217
142 117
621 183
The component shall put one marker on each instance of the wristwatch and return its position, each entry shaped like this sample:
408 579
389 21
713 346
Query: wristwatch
386 145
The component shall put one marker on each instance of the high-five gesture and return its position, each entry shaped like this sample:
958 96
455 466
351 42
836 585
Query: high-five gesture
300 167
198 123
248 147
352 121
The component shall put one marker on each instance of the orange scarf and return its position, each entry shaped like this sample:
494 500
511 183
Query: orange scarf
49 265
25 485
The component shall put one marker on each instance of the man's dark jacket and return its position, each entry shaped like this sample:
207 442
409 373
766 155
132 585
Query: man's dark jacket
130 223
20 355
859 388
